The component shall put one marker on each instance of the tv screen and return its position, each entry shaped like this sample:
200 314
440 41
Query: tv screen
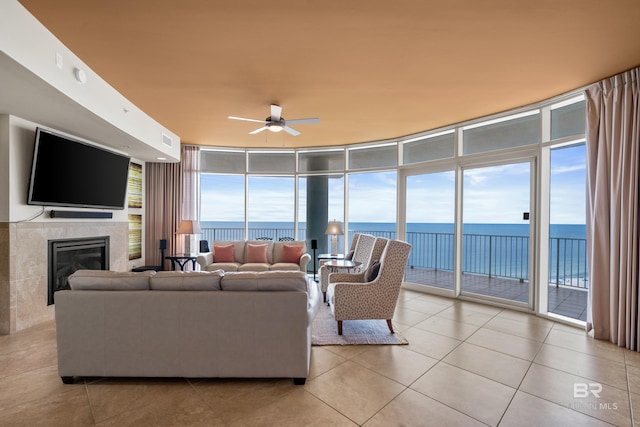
66 172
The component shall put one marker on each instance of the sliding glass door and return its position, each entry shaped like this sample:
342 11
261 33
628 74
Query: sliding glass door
568 274
496 240
430 218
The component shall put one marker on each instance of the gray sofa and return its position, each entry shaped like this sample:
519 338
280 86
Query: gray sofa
275 256
186 324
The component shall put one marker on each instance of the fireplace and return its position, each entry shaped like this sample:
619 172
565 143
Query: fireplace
69 255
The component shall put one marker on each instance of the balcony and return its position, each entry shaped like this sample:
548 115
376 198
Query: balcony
492 265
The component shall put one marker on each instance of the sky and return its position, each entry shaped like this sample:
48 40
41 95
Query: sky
496 194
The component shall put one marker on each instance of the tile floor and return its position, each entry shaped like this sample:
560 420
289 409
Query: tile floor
467 364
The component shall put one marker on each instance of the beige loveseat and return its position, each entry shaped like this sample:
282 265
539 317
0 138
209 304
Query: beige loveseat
186 324
255 255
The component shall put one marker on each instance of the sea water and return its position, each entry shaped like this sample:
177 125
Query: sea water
493 249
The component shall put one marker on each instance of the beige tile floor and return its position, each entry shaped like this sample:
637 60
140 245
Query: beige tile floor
467 364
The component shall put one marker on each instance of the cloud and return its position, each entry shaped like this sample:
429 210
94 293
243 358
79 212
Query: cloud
567 169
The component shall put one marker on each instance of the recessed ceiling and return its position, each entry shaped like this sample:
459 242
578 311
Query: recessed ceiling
369 69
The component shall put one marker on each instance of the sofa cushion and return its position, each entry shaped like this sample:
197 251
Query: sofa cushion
238 248
256 253
105 280
224 266
223 253
286 266
186 280
278 250
255 266
269 244
265 281
291 253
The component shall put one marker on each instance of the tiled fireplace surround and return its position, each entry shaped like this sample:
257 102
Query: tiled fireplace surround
23 266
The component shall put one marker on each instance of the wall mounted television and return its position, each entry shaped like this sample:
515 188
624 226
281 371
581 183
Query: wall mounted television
68 172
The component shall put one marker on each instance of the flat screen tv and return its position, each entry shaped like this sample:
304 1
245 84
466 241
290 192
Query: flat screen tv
67 172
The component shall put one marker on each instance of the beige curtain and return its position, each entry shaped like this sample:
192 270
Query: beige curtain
190 159
172 194
163 200
613 238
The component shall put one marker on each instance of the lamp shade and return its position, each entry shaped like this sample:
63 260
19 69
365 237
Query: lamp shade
189 226
334 228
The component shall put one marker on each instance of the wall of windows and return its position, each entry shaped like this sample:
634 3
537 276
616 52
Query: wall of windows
397 188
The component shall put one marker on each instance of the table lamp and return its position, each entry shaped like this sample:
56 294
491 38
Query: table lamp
188 227
334 229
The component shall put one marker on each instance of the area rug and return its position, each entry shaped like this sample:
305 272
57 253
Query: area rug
324 331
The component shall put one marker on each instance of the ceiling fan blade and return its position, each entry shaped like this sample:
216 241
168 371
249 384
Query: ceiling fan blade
253 132
304 121
246 120
291 131
276 111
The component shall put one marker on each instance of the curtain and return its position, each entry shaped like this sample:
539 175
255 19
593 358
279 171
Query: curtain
190 159
613 240
172 194
163 209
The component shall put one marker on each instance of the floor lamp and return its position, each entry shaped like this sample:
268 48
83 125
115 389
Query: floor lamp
334 229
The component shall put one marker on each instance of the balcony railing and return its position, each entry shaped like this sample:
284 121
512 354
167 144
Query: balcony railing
213 234
491 255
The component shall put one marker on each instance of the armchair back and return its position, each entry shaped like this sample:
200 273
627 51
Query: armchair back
376 299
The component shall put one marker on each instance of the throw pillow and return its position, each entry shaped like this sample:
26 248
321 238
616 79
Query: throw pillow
349 256
223 253
257 253
372 271
291 253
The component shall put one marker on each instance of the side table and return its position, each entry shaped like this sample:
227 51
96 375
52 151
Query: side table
322 260
338 265
182 260
330 256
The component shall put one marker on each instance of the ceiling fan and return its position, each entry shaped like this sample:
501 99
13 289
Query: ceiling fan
276 123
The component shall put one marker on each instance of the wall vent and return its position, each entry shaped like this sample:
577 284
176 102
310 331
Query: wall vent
167 140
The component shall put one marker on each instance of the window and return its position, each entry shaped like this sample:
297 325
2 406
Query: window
382 156
272 162
568 274
321 161
372 203
218 161
568 119
508 132
432 147
320 200
464 208
221 207
270 207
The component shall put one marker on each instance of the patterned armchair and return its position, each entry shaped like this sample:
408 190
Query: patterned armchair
351 298
362 247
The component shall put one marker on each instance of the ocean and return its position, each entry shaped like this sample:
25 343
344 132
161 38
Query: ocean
491 249
574 231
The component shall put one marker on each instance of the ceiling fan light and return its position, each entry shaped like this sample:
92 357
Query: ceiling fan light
275 128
